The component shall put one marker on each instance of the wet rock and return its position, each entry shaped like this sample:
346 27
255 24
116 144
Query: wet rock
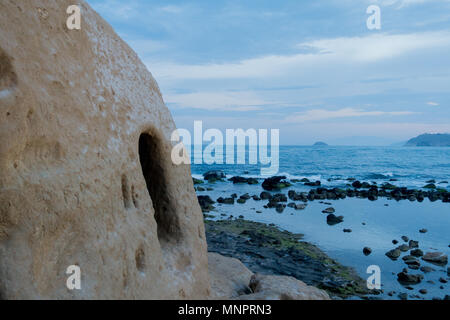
197 181
430 186
214 175
357 184
393 254
407 278
347 230
313 184
394 241
206 203
403 247
423 230
200 189
329 210
426 269
280 208
300 206
234 196
416 253
367 251
225 200
403 296
442 280
437 258
275 183
241 201
405 238
413 244
423 291
265 195
242 180
245 197
333 220
256 198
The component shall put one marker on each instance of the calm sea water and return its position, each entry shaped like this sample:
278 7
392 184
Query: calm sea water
373 224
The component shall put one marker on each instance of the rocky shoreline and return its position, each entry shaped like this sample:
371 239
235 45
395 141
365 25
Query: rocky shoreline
268 250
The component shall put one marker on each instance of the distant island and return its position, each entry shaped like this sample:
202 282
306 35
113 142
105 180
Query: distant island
430 140
320 144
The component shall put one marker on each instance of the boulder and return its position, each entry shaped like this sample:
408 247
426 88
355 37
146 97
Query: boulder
86 173
406 278
214 175
269 287
333 220
416 253
228 276
275 183
393 254
329 210
437 258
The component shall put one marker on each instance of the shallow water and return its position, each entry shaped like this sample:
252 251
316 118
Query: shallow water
382 225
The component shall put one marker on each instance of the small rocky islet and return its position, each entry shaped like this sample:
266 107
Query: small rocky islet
250 240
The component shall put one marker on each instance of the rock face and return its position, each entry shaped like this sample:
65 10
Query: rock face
230 279
86 176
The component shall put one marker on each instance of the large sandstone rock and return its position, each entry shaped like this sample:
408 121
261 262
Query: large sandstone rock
85 172
230 279
269 287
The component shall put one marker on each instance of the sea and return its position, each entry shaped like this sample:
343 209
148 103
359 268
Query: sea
373 224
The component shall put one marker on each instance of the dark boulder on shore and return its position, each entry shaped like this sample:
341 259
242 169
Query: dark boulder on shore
333 220
265 195
275 183
225 200
406 278
214 175
416 253
393 254
437 258
329 210
367 251
206 203
242 180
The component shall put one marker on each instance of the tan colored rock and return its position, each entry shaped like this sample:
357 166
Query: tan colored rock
267 287
80 113
229 277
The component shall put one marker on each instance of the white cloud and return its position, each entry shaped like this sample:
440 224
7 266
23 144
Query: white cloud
431 103
322 114
362 50
404 3
231 101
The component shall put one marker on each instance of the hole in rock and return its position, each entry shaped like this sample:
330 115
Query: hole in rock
8 78
140 259
126 192
152 161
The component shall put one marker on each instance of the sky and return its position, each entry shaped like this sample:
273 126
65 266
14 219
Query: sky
309 68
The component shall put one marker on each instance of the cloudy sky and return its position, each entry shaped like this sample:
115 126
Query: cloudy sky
309 68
